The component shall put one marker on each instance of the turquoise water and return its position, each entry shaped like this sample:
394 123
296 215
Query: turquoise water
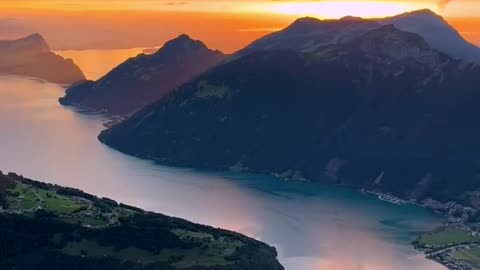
314 227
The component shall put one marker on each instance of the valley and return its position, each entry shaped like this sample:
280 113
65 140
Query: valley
320 139
308 223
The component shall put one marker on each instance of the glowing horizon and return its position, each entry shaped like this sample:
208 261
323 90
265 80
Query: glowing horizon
227 25
321 9
335 10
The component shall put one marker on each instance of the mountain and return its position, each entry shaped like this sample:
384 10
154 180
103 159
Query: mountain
44 226
31 56
384 111
143 79
437 32
307 34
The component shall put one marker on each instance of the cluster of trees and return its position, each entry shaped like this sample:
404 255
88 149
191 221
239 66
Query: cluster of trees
35 242
6 183
32 243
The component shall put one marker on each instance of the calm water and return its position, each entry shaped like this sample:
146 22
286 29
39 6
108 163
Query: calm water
314 227
96 63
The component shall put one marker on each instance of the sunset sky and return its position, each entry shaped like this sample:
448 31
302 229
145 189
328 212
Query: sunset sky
226 25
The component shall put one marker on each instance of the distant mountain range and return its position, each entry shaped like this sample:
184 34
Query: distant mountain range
308 34
31 56
381 109
144 79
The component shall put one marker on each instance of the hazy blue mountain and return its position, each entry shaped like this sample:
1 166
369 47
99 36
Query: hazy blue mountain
307 34
437 32
31 56
144 79
344 113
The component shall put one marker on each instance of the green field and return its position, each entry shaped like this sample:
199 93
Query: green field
211 252
57 204
471 256
23 197
448 236
26 198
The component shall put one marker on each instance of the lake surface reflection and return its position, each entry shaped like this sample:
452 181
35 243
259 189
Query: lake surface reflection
96 63
314 227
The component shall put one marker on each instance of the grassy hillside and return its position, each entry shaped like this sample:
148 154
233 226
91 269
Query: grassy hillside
47 226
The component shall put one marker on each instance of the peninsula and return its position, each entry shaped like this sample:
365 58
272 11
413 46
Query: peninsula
44 226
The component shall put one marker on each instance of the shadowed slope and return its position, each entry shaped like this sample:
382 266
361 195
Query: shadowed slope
144 79
383 102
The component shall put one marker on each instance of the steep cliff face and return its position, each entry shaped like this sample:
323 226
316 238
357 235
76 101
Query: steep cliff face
385 103
144 79
31 56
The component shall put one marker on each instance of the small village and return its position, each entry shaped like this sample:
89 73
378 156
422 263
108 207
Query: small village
457 244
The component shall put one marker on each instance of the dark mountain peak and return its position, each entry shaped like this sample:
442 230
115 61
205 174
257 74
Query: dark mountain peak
351 18
35 37
321 32
181 44
312 23
306 20
420 12
184 36
144 79
304 24
421 17
32 43
35 40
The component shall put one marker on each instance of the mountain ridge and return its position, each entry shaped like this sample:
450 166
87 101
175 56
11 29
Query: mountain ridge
143 79
309 33
30 55
343 113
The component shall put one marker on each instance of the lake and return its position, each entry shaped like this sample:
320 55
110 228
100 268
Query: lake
313 226
96 63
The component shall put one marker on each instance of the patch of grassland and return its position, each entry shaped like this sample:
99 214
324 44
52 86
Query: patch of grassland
185 235
206 90
26 198
209 252
448 236
22 197
58 204
471 256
